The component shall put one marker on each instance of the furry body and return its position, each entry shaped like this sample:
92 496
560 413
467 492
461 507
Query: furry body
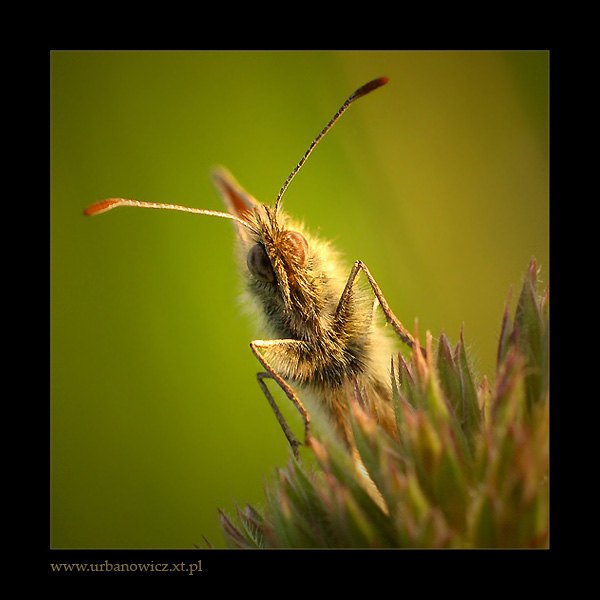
327 338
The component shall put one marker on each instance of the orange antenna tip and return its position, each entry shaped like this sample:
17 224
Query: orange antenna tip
101 206
369 87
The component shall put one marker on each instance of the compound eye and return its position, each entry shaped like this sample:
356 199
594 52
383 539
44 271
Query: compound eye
299 247
259 264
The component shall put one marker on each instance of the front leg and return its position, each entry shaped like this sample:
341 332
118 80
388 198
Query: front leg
391 318
272 374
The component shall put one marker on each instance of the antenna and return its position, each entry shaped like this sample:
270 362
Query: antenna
359 93
110 203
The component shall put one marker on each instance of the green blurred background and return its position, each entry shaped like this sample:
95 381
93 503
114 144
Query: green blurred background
438 181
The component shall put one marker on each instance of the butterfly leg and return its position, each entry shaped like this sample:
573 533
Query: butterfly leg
272 374
291 438
391 318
